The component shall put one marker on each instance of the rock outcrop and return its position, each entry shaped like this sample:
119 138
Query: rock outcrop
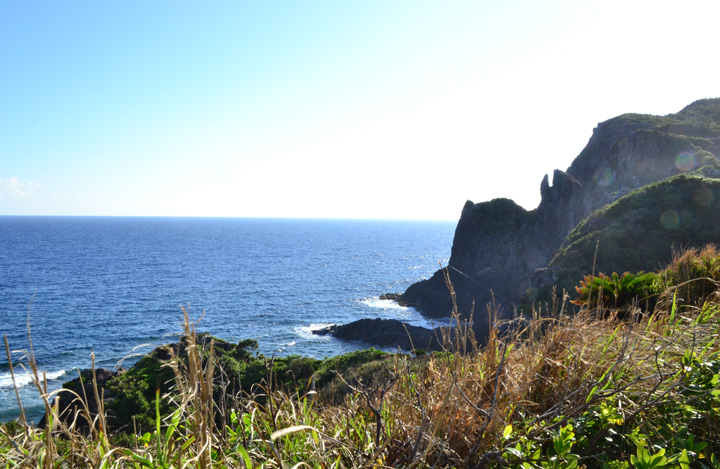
127 394
386 333
499 246
72 405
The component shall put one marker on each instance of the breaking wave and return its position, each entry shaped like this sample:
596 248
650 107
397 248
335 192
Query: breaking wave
24 378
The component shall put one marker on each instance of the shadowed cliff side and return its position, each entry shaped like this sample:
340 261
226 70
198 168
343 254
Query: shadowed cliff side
498 245
638 232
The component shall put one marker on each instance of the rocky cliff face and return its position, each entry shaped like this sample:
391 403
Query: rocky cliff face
498 245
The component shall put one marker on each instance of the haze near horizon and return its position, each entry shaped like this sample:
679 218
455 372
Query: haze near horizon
325 109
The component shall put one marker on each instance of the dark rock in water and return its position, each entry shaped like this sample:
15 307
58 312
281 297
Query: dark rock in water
494 244
390 296
70 403
394 333
386 333
499 246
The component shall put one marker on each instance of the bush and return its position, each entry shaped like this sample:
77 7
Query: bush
693 274
618 292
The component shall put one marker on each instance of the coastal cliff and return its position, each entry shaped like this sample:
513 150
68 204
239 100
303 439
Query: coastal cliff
499 246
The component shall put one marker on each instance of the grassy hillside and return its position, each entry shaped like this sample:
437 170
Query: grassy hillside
639 231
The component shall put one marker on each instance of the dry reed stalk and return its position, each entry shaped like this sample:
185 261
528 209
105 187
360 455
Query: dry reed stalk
23 420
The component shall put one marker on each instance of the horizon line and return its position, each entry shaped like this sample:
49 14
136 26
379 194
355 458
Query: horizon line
231 217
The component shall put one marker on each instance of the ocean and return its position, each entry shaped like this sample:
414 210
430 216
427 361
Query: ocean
114 286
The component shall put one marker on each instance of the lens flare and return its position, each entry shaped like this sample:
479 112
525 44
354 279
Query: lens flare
604 177
703 196
685 161
670 219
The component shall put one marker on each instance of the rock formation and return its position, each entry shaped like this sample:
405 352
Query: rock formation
386 333
498 245
72 406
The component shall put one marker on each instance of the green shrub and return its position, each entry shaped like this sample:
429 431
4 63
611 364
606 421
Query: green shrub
134 393
617 292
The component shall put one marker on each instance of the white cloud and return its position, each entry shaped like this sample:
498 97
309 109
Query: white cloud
15 189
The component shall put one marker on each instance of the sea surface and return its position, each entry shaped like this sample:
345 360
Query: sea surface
114 286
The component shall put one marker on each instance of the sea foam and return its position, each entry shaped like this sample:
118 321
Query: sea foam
24 378
306 332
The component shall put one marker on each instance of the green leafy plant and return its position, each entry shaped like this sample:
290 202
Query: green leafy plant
563 442
615 291
644 459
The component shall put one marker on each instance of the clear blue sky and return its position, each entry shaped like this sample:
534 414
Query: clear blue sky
359 109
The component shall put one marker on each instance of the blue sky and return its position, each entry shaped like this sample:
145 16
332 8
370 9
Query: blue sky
372 109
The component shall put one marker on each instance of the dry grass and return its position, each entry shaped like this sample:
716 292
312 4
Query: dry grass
692 275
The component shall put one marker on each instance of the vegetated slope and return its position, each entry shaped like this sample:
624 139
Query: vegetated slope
638 232
129 397
498 245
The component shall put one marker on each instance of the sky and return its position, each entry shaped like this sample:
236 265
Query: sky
325 109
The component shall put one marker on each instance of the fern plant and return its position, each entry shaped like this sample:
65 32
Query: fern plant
615 291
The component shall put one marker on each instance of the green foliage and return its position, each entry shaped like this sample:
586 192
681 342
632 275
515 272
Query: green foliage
134 393
368 374
527 452
326 372
618 292
704 111
168 443
701 380
647 460
244 349
244 371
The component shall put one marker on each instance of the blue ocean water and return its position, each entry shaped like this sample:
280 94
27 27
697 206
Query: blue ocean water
110 284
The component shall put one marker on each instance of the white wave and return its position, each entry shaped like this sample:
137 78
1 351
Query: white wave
406 314
24 378
306 332
376 302
431 323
